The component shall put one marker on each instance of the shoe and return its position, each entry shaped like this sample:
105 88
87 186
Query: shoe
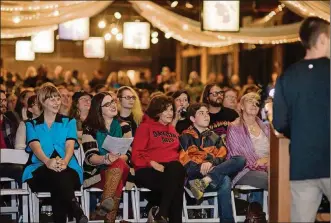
153 216
78 212
197 188
105 207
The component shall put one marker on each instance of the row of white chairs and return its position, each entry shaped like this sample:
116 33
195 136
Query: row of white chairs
30 201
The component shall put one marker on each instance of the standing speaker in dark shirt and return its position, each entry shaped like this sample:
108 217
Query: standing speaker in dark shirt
301 112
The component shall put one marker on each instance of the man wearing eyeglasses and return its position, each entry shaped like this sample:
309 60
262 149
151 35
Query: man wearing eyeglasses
220 116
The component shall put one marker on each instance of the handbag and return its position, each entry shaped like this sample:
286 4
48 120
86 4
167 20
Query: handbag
255 214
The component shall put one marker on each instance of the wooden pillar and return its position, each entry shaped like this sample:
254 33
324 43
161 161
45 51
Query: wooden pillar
279 184
278 59
204 65
236 59
178 60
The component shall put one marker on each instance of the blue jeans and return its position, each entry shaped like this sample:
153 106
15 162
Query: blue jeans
221 182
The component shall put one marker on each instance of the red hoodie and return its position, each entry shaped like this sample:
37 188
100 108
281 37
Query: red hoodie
154 141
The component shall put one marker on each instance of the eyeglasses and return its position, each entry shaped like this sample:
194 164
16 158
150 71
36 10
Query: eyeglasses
231 97
85 100
216 93
108 104
130 97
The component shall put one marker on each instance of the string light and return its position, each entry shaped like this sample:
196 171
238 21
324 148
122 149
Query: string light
155 40
188 5
114 31
56 13
119 36
42 7
155 34
167 35
117 15
16 19
107 36
102 24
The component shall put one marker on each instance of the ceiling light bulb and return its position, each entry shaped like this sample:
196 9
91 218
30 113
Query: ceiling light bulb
119 36
114 31
102 24
155 40
185 27
117 15
107 36
16 19
155 34
174 4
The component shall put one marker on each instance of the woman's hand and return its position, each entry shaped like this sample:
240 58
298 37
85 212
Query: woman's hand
62 164
157 166
112 158
262 162
124 157
52 164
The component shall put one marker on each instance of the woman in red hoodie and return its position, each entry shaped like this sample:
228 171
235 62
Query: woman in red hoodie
155 155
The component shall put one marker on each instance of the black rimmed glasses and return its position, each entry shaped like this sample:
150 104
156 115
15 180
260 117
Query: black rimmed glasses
130 97
216 93
108 104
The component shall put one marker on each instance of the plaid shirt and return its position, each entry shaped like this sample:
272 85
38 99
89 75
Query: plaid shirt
9 127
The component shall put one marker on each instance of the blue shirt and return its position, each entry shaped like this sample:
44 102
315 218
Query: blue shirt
51 139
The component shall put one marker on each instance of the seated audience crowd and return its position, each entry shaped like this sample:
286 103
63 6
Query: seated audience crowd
178 141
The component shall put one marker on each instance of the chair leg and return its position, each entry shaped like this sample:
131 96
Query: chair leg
87 204
265 203
234 207
185 208
133 204
35 204
138 205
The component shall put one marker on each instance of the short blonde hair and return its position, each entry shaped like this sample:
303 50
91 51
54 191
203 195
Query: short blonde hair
251 95
46 91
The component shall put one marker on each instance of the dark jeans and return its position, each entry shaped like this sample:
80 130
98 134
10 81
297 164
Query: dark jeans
221 182
61 185
170 186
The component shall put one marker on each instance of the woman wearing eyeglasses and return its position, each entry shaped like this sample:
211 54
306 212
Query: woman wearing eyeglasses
103 169
130 107
81 103
32 113
52 167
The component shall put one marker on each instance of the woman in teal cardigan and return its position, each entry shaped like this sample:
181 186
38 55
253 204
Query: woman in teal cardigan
103 169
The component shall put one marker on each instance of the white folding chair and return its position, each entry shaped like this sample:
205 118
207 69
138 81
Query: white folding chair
34 197
124 205
15 157
247 188
204 205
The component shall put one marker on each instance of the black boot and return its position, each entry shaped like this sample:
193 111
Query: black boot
77 212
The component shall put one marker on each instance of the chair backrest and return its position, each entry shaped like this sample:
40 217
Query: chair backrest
16 156
79 153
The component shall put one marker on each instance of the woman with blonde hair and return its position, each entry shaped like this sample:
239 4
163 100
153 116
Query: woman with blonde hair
249 137
130 107
30 72
51 140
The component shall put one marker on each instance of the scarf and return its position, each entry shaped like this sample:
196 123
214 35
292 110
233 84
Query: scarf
114 131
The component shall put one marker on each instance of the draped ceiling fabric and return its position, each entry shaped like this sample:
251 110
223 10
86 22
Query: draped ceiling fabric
310 8
189 31
38 16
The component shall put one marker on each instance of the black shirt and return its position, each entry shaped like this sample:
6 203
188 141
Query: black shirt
182 125
301 111
219 122
131 122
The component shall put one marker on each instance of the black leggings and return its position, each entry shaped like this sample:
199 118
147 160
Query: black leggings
169 185
61 185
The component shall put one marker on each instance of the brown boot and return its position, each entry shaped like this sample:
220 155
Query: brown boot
111 216
112 179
